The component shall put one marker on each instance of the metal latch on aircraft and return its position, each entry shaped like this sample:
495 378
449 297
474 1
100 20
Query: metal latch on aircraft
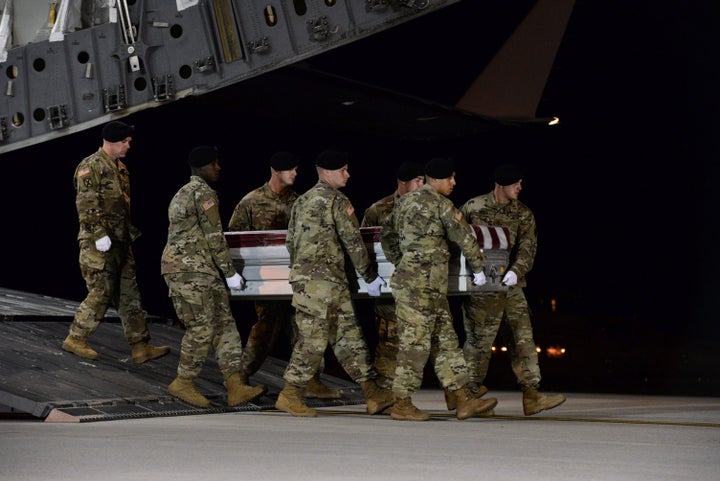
414 4
114 98
376 5
205 65
163 88
57 116
319 29
259 46
3 129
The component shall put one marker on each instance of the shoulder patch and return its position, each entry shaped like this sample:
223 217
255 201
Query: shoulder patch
350 210
458 215
208 204
83 172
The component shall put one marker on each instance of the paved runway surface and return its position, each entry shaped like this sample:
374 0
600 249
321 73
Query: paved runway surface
590 437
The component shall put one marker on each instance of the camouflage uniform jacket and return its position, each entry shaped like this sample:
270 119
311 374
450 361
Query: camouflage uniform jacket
263 209
415 239
196 242
323 229
377 212
517 218
103 199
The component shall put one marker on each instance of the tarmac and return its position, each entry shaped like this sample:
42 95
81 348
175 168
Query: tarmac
589 437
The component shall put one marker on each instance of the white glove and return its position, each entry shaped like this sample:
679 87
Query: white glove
510 278
103 244
374 287
479 279
236 282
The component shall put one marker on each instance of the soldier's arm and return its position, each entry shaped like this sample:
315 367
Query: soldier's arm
348 230
370 217
526 245
460 232
211 226
241 219
389 240
88 200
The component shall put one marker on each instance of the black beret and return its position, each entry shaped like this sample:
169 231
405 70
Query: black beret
116 131
202 155
409 170
332 160
283 161
507 174
440 168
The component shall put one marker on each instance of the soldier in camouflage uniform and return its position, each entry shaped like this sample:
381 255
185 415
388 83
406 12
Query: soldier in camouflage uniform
410 177
102 183
415 239
323 230
196 266
268 208
488 312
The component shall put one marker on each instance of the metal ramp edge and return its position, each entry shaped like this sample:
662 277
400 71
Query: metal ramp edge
39 378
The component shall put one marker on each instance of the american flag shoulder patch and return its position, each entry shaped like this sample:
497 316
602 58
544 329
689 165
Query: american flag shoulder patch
83 172
208 204
458 215
349 210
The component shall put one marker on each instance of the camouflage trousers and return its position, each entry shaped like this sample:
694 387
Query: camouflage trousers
202 304
385 360
111 280
426 332
485 315
272 318
324 314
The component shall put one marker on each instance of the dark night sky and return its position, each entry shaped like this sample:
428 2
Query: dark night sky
623 190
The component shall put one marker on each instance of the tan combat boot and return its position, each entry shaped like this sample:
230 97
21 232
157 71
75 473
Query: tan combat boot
239 392
469 405
377 399
405 410
79 347
315 388
185 390
534 401
289 400
142 351
451 402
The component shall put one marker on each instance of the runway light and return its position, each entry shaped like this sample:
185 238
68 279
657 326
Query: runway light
503 349
555 351
554 121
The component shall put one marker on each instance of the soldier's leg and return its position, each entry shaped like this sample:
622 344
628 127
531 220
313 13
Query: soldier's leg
348 342
385 358
482 314
263 334
226 342
415 322
129 303
446 355
517 331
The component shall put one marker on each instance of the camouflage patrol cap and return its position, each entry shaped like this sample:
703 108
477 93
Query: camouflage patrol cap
116 131
409 170
283 161
332 160
507 174
440 168
202 155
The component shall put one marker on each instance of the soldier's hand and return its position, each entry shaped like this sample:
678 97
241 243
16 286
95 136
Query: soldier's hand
479 279
236 282
103 244
510 278
374 287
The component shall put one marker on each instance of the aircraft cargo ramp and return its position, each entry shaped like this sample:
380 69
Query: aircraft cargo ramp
39 378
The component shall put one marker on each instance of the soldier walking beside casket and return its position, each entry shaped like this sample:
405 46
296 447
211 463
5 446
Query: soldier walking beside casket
102 184
488 312
415 239
268 208
197 267
323 230
410 177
